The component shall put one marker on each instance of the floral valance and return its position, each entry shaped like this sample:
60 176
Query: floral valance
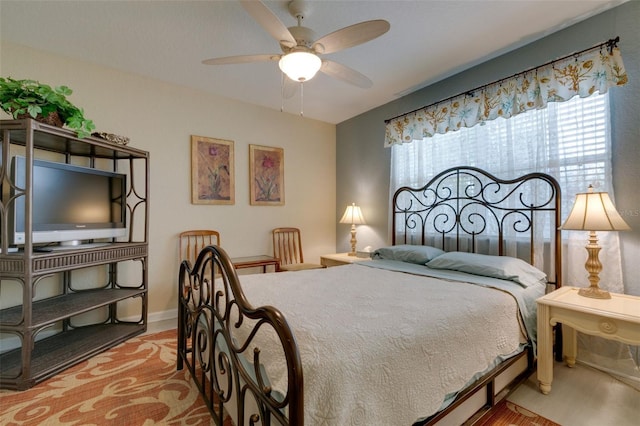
584 73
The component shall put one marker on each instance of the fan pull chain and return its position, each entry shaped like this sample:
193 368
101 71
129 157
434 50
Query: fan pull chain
301 99
282 77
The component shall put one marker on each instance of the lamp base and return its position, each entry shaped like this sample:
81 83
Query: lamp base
594 293
593 267
352 253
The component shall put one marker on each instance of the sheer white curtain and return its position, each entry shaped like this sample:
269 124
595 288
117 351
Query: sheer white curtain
568 140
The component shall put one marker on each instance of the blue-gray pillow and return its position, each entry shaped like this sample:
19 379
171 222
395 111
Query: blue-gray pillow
408 253
502 267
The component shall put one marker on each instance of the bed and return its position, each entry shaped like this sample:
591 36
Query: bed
432 330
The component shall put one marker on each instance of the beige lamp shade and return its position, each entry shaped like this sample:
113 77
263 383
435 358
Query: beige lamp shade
353 215
594 211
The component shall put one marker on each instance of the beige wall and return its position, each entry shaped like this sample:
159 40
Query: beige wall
159 118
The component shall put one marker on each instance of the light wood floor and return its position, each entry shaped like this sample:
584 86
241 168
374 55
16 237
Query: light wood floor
580 396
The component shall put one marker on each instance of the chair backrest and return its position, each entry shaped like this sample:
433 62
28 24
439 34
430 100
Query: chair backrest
287 245
192 242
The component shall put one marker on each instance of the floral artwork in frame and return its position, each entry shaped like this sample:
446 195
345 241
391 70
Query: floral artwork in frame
212 171
266 175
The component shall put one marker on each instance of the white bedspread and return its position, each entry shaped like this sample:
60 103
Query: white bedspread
380 347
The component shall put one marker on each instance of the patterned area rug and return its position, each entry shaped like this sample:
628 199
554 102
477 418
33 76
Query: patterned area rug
136 383
507 413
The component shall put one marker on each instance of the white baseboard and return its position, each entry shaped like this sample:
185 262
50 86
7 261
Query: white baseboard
162 316
152 317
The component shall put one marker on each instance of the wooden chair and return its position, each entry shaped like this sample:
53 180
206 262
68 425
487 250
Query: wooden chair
287 246
192 242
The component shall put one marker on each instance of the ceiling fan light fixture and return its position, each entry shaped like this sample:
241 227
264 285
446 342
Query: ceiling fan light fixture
300 66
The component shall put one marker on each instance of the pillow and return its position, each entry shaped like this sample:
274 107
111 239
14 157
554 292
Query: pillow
502 267
408 253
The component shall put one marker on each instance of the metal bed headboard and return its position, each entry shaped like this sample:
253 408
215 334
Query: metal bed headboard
469 209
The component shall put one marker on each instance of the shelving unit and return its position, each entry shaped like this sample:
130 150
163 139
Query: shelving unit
79 316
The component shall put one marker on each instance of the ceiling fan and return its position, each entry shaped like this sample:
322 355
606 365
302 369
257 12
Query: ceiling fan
300 58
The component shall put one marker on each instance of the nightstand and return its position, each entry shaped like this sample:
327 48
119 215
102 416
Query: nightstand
338 259
617 318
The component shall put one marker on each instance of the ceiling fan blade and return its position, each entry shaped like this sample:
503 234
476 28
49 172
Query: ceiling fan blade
269 21
350 36
346 74
241 59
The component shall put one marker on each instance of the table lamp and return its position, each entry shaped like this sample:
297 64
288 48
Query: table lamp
594 211
353 215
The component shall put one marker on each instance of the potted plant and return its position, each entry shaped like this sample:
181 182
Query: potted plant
30 98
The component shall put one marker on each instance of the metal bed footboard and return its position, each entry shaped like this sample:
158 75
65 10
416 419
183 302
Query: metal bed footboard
212 309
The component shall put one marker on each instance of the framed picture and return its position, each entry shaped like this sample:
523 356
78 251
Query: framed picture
266 176
212 172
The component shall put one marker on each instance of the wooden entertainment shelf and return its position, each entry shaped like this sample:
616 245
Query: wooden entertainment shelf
88 299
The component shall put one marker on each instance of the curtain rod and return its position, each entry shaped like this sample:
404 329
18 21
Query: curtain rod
611 44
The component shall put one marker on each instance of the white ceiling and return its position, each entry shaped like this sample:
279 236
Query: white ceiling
167 40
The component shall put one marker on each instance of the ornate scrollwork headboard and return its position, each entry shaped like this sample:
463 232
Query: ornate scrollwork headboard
468 209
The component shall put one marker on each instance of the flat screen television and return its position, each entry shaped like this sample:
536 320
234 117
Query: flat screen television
70 204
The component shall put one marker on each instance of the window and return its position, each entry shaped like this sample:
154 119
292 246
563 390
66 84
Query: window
569 140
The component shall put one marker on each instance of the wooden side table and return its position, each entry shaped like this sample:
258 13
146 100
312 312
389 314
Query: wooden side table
338 259
617 318
256 261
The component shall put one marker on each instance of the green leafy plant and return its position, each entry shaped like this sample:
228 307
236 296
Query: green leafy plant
31 98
